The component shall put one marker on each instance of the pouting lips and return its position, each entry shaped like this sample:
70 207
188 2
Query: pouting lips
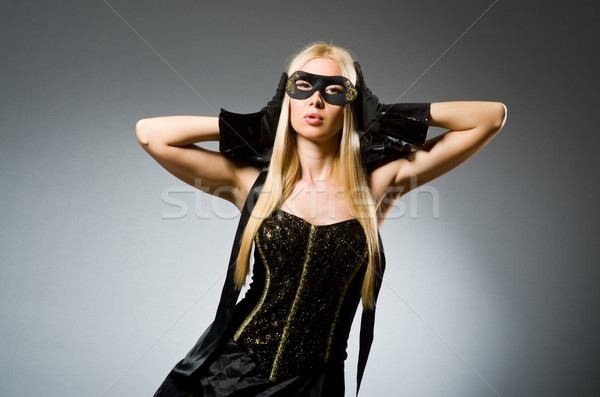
313 119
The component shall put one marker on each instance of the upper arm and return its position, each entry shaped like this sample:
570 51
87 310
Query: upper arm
204 169
445 152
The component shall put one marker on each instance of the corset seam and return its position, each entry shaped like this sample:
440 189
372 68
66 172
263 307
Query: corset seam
263 296
286 329
339 308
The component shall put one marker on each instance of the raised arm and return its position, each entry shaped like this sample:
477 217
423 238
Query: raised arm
170 141
471 126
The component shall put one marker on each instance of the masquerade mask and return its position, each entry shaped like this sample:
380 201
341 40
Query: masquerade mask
336 90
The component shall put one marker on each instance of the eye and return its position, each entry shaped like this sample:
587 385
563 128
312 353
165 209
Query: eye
303 85
334 89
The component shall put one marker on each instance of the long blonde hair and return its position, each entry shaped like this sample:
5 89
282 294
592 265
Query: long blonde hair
284 172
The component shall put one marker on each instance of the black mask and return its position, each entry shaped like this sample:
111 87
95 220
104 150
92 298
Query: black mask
336 90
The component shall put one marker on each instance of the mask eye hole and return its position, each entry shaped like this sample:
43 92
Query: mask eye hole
334 89
303 85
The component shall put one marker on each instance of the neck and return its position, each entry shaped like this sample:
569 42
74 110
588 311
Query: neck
317 159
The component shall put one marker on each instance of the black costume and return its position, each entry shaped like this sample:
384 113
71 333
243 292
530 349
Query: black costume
290 330
288 336
305 277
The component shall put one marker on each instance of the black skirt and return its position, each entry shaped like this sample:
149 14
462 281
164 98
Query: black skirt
234 374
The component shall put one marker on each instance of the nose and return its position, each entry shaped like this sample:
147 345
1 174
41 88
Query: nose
316 99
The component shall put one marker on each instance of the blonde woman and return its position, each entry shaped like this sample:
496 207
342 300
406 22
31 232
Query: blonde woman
314 174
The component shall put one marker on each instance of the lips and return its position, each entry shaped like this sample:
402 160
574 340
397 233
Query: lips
313 119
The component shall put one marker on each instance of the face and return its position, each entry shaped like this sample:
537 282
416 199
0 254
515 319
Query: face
314 118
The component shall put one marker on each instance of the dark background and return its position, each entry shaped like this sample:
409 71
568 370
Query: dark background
105 284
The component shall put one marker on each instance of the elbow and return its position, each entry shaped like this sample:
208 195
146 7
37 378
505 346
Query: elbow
499 118
495 117
141 132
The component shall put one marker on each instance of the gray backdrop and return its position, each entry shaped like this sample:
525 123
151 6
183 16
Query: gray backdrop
111 268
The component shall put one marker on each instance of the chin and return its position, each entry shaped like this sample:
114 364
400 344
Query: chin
319 132
318 136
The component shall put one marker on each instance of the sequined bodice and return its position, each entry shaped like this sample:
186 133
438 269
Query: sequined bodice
312 277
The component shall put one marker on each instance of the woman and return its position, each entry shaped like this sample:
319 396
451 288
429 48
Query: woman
314 174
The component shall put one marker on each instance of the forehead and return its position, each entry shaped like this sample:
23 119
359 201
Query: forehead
322 66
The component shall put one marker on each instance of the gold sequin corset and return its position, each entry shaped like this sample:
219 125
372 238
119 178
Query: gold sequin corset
309 284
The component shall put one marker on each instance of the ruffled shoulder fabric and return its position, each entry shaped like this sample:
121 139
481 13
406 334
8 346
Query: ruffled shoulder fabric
378 150
241 139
